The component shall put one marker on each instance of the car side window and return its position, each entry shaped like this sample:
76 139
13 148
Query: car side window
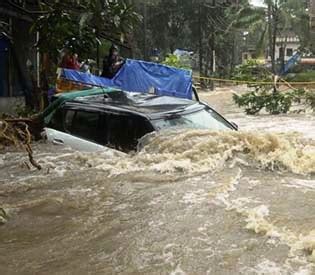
124 130
56 120
85 124
103 134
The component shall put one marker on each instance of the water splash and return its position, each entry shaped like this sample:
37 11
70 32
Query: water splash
201 151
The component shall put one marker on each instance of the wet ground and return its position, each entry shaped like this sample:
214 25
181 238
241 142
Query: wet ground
191 202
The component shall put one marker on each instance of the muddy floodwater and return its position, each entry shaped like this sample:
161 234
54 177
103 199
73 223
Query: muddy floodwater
190 202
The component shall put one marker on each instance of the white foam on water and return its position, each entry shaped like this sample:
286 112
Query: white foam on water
194 197
257 221
304 125
2 160
168 255
301 184
178 271
222 193
194 152
267 267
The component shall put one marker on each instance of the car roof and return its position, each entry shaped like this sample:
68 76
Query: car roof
149 105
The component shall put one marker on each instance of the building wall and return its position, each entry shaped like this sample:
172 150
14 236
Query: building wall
312 14
8 105
15 75
294 46
22 50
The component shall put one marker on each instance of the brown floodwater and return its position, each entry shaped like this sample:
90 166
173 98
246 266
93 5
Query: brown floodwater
190 202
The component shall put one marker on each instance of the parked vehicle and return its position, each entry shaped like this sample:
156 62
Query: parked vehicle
119 119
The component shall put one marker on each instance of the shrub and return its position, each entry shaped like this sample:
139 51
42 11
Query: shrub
266 96
273 102
174 61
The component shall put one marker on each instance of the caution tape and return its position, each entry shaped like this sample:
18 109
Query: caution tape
252 82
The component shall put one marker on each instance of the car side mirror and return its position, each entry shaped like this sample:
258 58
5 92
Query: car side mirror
234 125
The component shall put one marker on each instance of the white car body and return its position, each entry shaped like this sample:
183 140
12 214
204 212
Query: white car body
76 143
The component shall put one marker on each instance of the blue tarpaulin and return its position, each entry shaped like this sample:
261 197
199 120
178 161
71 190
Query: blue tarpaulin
291 62
86 78
141 76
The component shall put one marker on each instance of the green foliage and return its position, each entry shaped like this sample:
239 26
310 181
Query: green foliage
57 30
251 71
24 111
264 97
310 99
199 26
304 76
273 102
173 61
81 25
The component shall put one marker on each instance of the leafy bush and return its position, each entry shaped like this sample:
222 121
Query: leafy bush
24 111
174 61
273 103
266 96
310 99
251 71
305 76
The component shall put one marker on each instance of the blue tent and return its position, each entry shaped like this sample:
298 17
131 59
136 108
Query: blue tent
291 62
141 76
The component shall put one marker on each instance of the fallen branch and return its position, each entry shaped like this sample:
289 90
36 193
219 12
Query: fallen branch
16 132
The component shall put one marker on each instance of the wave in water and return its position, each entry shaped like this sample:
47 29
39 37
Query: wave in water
199 151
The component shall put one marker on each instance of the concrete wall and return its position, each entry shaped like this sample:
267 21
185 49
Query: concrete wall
9 104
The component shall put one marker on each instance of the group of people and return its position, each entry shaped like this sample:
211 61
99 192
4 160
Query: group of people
111 63
71 61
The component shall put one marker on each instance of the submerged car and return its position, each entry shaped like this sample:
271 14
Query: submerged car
119 119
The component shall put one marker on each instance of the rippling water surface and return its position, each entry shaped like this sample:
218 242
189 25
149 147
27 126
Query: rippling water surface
190 202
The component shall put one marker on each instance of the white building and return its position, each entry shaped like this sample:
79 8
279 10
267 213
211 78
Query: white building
287 44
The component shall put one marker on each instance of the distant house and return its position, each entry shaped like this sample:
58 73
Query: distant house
312 14
287 44
18 56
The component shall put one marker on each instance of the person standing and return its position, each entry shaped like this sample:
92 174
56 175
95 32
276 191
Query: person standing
112 63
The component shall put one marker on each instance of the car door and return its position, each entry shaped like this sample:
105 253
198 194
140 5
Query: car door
61 138
74 128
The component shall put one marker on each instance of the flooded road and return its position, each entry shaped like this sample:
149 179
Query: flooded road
190 202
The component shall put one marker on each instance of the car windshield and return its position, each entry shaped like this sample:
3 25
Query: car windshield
203 119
